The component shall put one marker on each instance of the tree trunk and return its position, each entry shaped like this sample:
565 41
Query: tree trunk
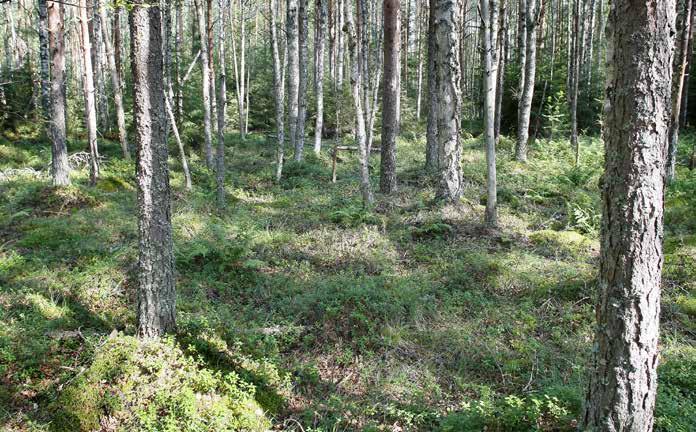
446 14
502 57
222 106
356 83
278 87
390 92
156 294
210 33
621 392
88 90
319 44
489 11
680 64
207 116
574 80
116 84
303 31
60 168
525 107
178 59
293 81
432 145
521 152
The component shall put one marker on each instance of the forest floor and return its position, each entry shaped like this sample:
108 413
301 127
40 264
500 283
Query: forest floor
409 317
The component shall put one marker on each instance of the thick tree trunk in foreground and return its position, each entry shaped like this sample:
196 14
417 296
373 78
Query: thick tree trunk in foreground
319 45
116 84
88 90
60 168
156 294
207 116
392 48
622 388
293 70
489 11
355 84
446 56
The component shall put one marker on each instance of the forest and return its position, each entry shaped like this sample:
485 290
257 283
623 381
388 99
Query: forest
347 215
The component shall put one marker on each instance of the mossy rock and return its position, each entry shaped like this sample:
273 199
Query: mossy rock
563 244
152 385
114 184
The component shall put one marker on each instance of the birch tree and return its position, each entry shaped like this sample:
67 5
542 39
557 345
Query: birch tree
489 13
319 47
447 71
204 58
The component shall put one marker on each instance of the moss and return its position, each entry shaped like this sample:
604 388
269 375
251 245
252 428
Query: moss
564 244
151 385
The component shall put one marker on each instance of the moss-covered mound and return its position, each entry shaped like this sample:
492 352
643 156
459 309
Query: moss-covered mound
151 385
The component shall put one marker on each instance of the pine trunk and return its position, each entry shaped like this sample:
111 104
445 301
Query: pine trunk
293 80
622 388
319 46
60 168
156 294
432 145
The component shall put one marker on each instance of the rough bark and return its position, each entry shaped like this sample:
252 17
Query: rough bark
390 92
207 116
521 153
319 45
622 387
502 57
116 83
88 90
446 49
60 168
156 293
489 11
355 84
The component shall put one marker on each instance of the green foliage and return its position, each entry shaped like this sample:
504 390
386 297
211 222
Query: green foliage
676 393
512 413
354 215
151 385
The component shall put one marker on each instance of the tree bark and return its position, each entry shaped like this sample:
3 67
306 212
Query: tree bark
303 31
432 145
390 92
319 45
622 388
156 294
88 90
525 107
222 106
207 116
446 55
116 84
278 87
293 81
60 168
489 11
356 83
